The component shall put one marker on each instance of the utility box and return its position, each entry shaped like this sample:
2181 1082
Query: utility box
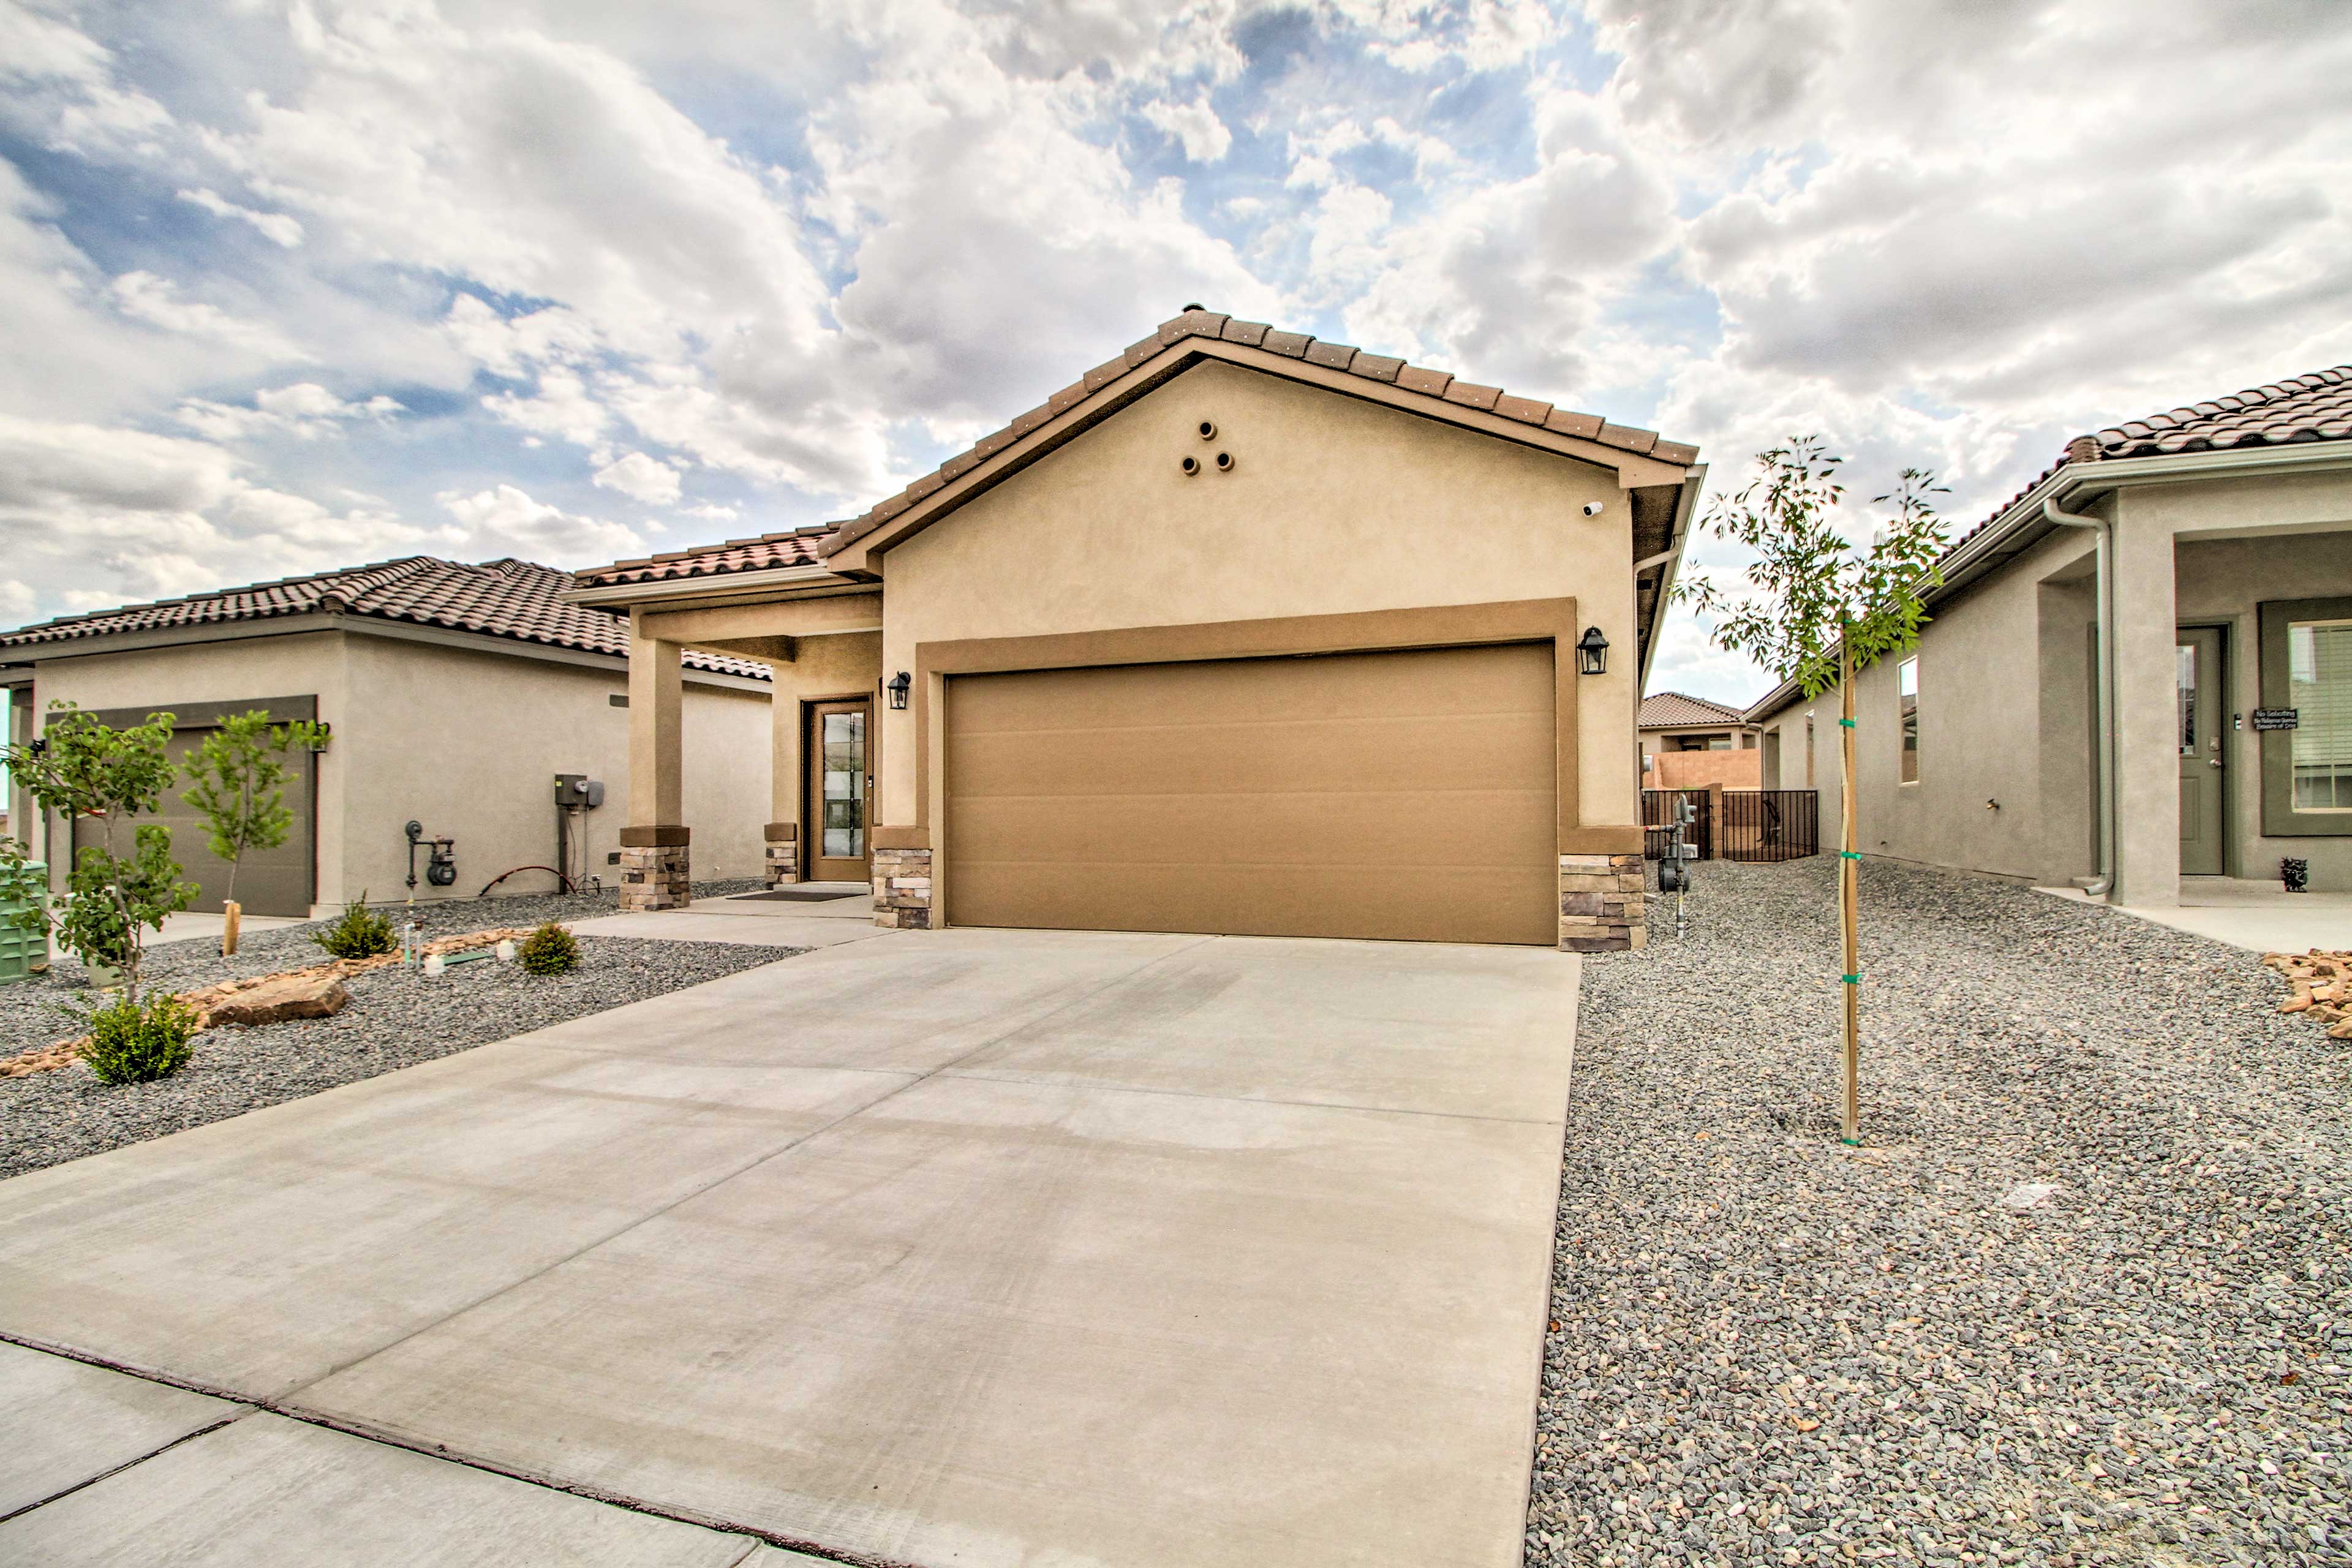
580 790
24 953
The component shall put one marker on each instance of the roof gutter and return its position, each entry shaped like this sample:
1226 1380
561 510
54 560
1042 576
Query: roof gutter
773 577
1677 537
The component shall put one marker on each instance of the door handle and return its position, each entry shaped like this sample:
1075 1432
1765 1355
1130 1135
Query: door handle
2212 762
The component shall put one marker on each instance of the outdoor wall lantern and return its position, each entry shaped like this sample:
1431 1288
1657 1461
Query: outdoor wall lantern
898 686
1591 652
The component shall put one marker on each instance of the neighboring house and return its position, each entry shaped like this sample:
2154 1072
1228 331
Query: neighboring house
456 695
2229 531
1241 632
1690 743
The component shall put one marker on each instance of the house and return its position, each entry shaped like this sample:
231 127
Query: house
1690 743
456 695
2138 670
1240 632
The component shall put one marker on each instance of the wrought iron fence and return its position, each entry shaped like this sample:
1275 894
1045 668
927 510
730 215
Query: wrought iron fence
1752 825
1769 825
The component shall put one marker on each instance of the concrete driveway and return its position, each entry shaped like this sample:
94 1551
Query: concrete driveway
958 1248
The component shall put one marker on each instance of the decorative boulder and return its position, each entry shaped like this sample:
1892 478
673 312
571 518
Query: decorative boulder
288 996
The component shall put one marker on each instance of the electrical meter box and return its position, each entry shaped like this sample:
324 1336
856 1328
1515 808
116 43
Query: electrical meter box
577 789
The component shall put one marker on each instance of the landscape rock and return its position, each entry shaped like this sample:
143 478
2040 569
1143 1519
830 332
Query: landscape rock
276 1001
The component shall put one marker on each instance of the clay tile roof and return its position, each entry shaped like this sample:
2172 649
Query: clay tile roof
519 600
2315 408
742 555
1670 709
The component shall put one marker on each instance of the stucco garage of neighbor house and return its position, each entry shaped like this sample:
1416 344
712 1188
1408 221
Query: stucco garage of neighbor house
456 694
1240 632
2223 534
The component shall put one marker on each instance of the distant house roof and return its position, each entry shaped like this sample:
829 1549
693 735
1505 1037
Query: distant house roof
1437 386
2299 410
519 600
1674 710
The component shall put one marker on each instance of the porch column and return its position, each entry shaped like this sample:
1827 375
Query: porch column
655 863
2148 741
783 864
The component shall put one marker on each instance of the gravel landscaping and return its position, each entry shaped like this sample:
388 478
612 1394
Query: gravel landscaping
396 1018
1769 1348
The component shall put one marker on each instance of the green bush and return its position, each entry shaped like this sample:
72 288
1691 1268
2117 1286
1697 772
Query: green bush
549 950
131 1044
358 933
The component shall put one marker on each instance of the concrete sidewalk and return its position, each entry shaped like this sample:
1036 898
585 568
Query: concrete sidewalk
973 1248
827 922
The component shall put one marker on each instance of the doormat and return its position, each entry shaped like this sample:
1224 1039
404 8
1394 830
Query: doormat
796 896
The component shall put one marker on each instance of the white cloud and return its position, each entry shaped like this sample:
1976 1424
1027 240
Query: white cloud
305 409
648 479
505 521
276 226
1194 125
159 303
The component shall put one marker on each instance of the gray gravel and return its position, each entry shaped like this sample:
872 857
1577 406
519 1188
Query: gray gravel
396 1019
1769 1349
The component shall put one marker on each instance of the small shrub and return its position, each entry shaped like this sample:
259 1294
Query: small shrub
131 1044
358 933
549 950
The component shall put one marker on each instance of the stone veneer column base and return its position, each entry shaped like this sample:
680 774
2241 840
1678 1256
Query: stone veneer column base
656 869
902 888
783 854
1601 903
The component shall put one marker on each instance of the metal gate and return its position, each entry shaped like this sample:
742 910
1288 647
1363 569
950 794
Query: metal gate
1769 825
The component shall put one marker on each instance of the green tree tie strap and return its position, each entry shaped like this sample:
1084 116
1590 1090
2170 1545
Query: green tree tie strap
1845 723
1851 979
1849 854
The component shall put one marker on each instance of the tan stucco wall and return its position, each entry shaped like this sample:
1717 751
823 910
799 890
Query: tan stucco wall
467 742
1335 505
2006 692
470 744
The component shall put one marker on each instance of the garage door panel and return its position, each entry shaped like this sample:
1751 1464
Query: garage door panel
1405 795
1387 752
276 881
1476 830
1384 903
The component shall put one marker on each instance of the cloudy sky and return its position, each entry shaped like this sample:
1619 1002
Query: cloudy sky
288 285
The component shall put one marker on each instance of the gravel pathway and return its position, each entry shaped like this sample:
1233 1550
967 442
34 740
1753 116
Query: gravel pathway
1770 1349
396 1018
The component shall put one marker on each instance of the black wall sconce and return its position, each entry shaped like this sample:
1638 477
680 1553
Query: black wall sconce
1592 652
899 685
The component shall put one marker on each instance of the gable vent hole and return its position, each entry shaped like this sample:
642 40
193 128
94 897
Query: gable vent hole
1224 462
1191 466
1208 430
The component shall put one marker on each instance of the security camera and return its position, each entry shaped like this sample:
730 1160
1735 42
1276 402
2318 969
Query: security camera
1592 508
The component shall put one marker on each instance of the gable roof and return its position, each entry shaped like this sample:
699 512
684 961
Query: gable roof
518 600
2297 411
1425 390
1673 710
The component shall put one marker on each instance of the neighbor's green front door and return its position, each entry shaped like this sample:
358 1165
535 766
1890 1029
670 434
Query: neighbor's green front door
2204 752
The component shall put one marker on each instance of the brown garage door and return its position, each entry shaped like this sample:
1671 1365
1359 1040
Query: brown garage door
269 881
1405 796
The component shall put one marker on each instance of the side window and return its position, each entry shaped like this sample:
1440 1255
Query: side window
2319 687
1906 687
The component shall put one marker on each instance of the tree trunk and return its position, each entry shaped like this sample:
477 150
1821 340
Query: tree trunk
1849 901
231 913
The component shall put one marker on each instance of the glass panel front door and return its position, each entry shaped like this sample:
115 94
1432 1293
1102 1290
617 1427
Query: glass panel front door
840 778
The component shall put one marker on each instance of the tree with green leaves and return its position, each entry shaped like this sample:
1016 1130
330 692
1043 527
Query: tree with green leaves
240 773
1814 609
88 770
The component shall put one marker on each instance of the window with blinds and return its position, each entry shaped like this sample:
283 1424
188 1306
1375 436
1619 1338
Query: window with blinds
2319 687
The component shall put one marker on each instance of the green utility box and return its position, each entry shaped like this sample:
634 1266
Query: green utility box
24 953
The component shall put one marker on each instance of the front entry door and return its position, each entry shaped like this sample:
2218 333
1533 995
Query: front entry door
840 779
2201 724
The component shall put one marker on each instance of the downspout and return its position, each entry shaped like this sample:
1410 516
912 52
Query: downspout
2102 885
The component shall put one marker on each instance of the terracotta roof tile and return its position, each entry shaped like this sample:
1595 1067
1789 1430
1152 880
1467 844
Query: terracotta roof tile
1205 323
1667 709
518 600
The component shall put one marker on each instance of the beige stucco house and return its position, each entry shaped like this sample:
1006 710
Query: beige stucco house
1690 743
2201 726
1241 632
456 695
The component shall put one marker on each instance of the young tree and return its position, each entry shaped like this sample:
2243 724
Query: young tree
1815 610
240 775
86 770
